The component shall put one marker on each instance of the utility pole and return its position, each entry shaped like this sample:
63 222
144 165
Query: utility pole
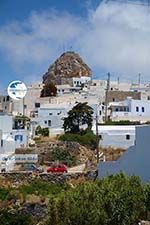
118 81
97 139
106 97
139 80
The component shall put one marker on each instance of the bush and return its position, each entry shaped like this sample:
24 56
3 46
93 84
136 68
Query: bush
117 200
64 156
122 122
42 131
87 139
45 132
42 188
8 218
4 194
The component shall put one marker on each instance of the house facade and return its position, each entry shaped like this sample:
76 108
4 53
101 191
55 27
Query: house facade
115 136
130 109
135 161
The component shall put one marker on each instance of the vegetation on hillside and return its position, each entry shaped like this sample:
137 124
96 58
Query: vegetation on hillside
117 200
87 138
63 156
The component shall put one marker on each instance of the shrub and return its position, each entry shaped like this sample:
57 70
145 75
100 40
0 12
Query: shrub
4 193
117 200
64 156
42 131
88 138
8 218
121 122
42 188
45 132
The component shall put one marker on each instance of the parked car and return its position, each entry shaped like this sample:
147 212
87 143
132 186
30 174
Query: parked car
32 168
61 168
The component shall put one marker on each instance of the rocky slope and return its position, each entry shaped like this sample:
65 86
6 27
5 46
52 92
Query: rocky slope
68 65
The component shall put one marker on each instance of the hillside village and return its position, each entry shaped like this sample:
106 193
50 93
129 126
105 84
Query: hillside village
32 133
118 108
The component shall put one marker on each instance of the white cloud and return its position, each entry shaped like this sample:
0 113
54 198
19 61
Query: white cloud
115 37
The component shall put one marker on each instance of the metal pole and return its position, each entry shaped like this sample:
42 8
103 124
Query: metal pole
139 81
106 96
97 139
23 111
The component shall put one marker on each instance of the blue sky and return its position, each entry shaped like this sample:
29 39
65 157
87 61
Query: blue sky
110 37
19 10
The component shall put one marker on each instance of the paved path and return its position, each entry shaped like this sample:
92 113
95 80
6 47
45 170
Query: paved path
77 169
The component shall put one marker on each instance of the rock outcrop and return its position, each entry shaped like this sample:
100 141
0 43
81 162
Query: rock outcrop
68 65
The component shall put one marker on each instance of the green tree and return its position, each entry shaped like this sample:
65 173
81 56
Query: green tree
80 114
49 90
42 131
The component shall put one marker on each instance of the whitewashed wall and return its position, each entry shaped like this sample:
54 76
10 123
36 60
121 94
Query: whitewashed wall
135 161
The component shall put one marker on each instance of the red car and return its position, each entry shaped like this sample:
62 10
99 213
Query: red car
61 168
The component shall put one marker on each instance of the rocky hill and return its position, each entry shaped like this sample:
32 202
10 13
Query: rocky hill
68 65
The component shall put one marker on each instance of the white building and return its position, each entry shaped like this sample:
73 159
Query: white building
29 103
116 136
130 109
79 81
67 89
135 161
51 116
7 143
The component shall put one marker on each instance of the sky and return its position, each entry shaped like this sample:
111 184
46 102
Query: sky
112 37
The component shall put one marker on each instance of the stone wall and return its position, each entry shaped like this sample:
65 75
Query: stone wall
27 177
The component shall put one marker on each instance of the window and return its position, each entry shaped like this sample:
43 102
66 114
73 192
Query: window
50 114
117 110
113 99
100 137
45 121
148 98
137 109
25 106
7 98
37 105
143 110
100 112
127 137
18 138
49 123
